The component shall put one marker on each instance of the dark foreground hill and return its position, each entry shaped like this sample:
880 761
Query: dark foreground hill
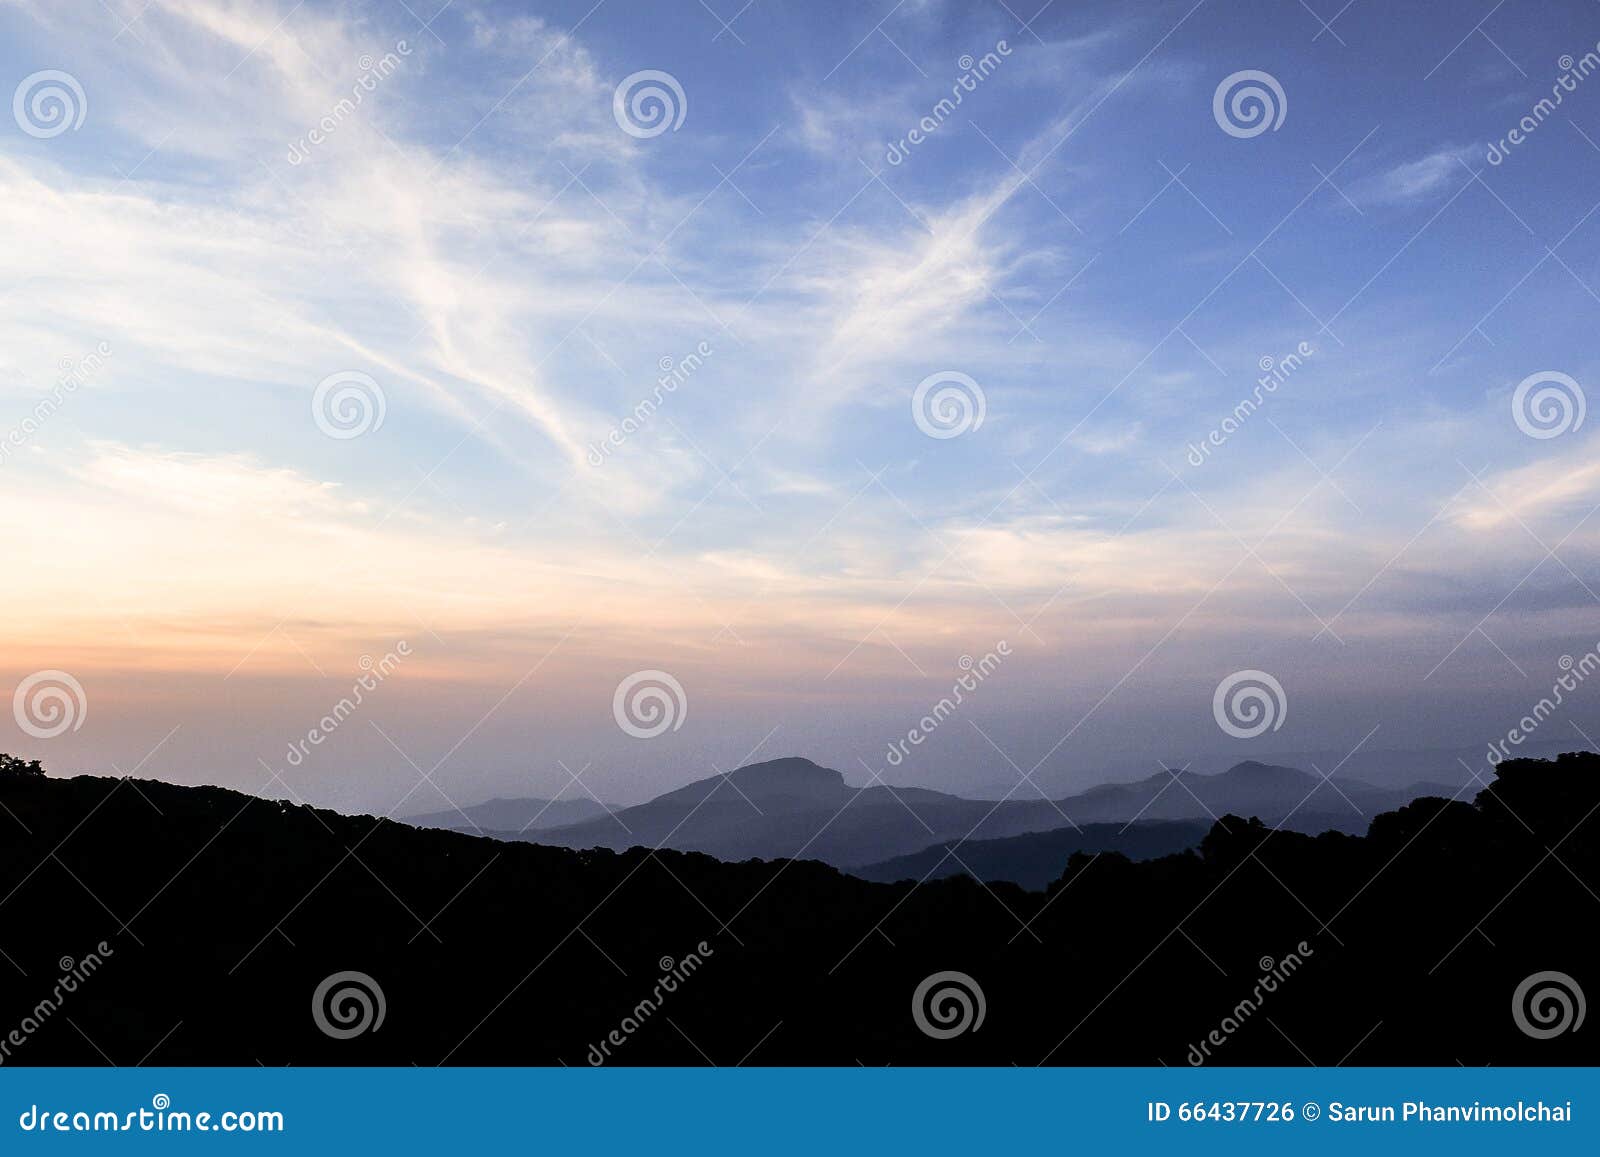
221 916
1038 858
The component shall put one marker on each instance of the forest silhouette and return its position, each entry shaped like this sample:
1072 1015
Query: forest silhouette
222 914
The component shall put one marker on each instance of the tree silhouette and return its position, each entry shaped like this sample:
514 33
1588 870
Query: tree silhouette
12 765
1417 943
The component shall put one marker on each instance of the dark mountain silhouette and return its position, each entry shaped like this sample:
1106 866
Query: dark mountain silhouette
1383 767
1274 794
511 816
795 808
224 914
1037 859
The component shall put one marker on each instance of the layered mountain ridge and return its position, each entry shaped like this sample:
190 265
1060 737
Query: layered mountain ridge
795 808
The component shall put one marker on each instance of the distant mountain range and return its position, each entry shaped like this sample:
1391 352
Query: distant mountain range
794 808
1383 767
1036 860
1284 796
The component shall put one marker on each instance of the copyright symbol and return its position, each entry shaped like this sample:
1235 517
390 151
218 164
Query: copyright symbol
1311 1110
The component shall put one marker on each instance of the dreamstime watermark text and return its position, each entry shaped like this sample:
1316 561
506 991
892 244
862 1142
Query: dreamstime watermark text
1273 975
973 672
160 1117
973 73
673 974
1574 672
372 71
74 973
1573 73
1274 373
673 374
372 674
74 373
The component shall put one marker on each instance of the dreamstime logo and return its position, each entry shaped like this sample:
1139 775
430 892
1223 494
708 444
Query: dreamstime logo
348 404
49 703
373 672
649 703
948 404
73 974
1548 1004
1249 703
674 372
1248 103
673 974
372 71
1274 973
47 104
1548 404
1274 372
973 672
1575 671
1573 72
74 373
948 1004
161 1117
973 73
348 1004
648 103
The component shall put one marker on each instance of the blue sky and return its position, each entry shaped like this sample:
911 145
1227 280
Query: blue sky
481 242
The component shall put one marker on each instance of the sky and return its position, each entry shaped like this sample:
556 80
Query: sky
507 360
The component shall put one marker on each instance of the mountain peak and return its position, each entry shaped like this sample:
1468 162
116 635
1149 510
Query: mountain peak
1255 769
786 774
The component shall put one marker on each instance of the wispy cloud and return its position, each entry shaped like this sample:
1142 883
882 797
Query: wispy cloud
1417 180
478 236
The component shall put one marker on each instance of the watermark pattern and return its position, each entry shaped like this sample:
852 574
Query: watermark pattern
648 103
1249 703
973 673
1273 974
73 974
1548 404
673 374
1576 671
649 703
947 1004
673 974
347 1004
948 404
48 103
373 672
1274 372
49 703
348 404
973 73
1573 72
372 71
1249 102
74 373
1548 1004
